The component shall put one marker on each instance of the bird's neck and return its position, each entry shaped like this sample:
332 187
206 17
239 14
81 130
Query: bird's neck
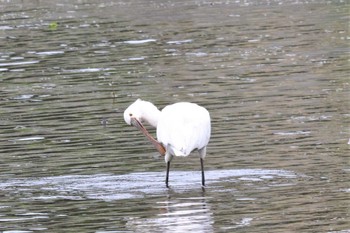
151 114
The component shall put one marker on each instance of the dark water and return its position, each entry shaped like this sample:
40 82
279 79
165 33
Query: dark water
273 74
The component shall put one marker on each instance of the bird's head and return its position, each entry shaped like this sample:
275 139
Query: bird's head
132 115
140 111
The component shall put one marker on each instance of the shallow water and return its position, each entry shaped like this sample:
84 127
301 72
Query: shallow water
273 75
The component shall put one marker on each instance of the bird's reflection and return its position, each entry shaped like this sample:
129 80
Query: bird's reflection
177 214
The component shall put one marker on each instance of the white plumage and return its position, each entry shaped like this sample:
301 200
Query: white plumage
181 128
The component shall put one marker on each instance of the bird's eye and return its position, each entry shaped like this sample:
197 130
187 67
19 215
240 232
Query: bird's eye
130 114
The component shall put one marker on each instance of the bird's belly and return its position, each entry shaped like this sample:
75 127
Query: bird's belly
179 151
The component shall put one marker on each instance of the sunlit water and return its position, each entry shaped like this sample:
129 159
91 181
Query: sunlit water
273 75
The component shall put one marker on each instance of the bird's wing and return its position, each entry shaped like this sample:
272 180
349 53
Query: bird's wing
184 127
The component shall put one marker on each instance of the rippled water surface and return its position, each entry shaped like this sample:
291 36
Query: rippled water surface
274 76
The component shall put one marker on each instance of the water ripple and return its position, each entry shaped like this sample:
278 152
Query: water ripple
133 185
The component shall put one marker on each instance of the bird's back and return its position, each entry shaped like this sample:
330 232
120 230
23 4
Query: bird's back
184 127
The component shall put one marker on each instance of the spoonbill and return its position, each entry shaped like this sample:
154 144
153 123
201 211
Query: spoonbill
181 128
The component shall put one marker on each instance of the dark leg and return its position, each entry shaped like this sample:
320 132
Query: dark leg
203 179
167 174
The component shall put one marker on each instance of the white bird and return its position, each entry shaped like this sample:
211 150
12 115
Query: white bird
181 128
